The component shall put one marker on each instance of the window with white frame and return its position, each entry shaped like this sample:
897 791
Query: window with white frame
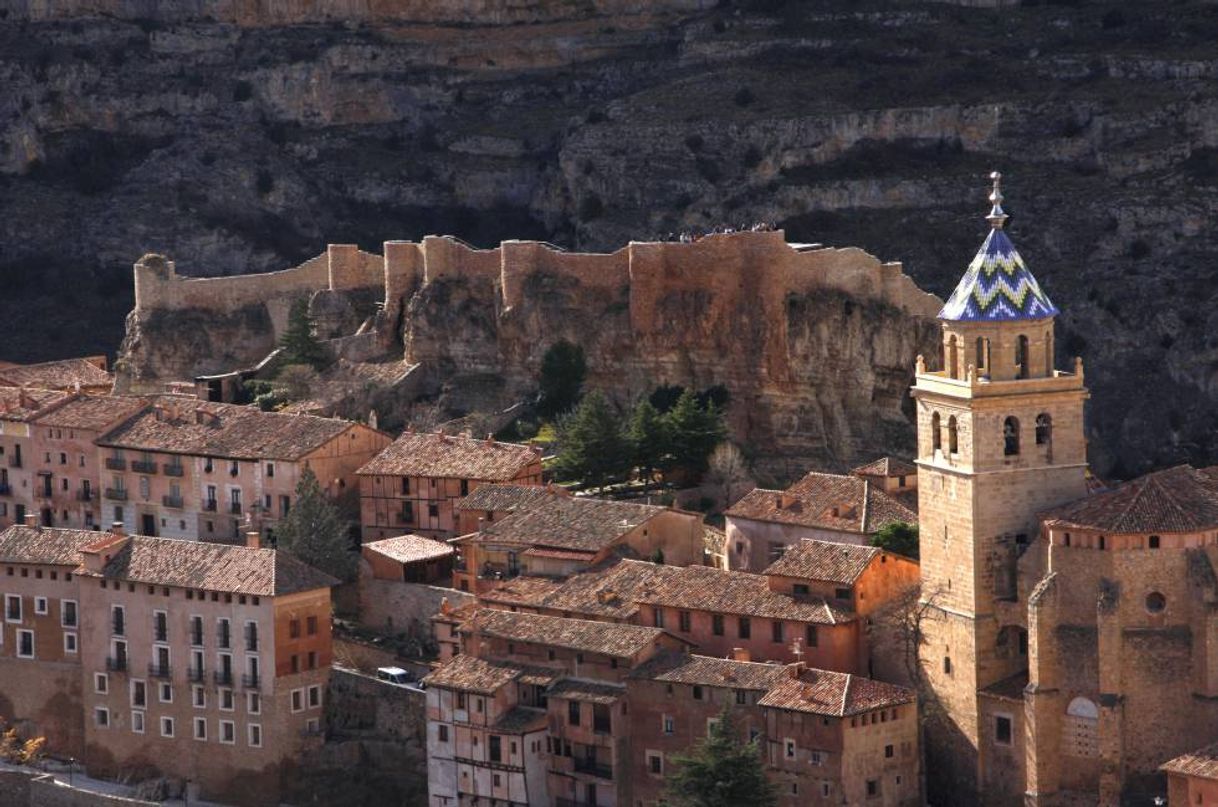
297 700
101 683
12 608
200 728
101 717
817 757
137 721
25 644
67 613
254 735
253 703
166 693
69 643
655 763
314 696
226 700
41 607
167 726
198 696
313 725
669 724
228 732
789 745
139 694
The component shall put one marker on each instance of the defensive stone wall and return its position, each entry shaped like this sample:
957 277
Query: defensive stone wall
20 788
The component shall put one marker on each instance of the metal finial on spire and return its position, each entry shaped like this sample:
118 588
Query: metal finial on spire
997 217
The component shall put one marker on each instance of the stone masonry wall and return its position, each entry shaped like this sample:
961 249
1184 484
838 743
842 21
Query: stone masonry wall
20 788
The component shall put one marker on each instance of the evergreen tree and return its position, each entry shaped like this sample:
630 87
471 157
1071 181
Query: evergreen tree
592 447
694 432
720 771
648 436
315 533
897 536
298 343
562 378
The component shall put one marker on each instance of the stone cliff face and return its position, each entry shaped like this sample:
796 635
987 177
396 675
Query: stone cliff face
239 137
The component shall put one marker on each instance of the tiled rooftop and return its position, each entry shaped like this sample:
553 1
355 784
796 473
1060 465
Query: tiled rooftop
211 567
823 560
577 689
834 694
886 467
22 404
1179 499
22 544
508 498
1202 763
64 374
521 719
708 671
441 455
607 638
184 425
848 503
578 523
473 675
91 412
410 548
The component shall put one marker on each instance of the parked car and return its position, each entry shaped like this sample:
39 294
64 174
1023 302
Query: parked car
394 675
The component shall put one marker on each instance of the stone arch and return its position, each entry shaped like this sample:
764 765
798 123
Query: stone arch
1044 429
953 441
1080 729
936 433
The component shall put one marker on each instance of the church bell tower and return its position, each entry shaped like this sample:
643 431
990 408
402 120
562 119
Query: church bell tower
1000 439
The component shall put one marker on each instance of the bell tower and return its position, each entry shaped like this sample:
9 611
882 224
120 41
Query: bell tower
1000 439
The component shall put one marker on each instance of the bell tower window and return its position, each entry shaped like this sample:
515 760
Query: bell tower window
953 443
936 433
1010 437
952 363
1044 429
1021 355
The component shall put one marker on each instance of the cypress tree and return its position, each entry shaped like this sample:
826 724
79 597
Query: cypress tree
648 436
694 432
592 447
298 343
720 771
315 533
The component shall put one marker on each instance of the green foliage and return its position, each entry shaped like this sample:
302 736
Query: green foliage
562 378
647 432
694 430
665 397
298 343
897 536
720 771
315 533
592 447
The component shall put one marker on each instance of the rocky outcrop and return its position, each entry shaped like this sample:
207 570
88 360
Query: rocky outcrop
238 137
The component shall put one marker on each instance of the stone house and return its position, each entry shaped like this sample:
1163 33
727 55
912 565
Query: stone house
487 504
150 656
843 508
185 468
1192 778
18 407
413 484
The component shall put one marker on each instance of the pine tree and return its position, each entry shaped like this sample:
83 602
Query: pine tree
562 378
314 532
298 343
694 432
648 436
592 447
720 771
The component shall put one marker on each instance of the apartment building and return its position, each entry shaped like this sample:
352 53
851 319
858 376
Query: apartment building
64 461
154 656
545 710
413 484
183 468
18 407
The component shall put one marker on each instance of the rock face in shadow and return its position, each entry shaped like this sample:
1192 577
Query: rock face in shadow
241 137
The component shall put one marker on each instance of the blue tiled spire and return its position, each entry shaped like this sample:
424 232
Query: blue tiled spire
997 285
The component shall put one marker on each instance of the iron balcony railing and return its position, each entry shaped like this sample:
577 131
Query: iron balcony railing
195 674
251 681
118 664
14 461
234 508
159 670
143 467
172 501
116 464
173 470
224 677
597 769
5 489
119 494
84 495
209 505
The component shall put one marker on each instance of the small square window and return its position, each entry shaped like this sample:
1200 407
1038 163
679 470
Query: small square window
101 683
166 693
101 717
40 605
167 726
69 643
1002 730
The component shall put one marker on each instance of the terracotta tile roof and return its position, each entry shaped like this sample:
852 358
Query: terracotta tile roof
521 591
708 671
701 588
580 523
64 374
91 412
886 466
410 548
22 404
501 498
474 675
823 560
558 554
211 567
183 425
577 689
607 638
440 455
1179 499
834 694
830 501
521 720
1010 689
22 544
1202 763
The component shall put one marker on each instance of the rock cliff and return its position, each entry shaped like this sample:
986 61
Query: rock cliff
241 136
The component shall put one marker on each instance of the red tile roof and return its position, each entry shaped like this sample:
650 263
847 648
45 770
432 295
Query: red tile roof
441 455
56 547
501 498
521 720
886 467
1179 499
607 638
830 501
210 567
528 591
91 412
823 560
576 689
65 374
576 523
179 424
410 548
834 694
1202 763
474 675
709 671
22 404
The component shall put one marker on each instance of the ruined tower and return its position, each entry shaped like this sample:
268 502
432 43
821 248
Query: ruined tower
1000 438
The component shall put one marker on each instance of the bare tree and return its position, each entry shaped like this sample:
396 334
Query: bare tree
728 471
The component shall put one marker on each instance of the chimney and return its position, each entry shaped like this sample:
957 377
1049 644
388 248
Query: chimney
253 539
741 654
490 438
31 521
794 669
117 528
445 607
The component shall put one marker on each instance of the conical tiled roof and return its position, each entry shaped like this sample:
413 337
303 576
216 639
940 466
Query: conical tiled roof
997 286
